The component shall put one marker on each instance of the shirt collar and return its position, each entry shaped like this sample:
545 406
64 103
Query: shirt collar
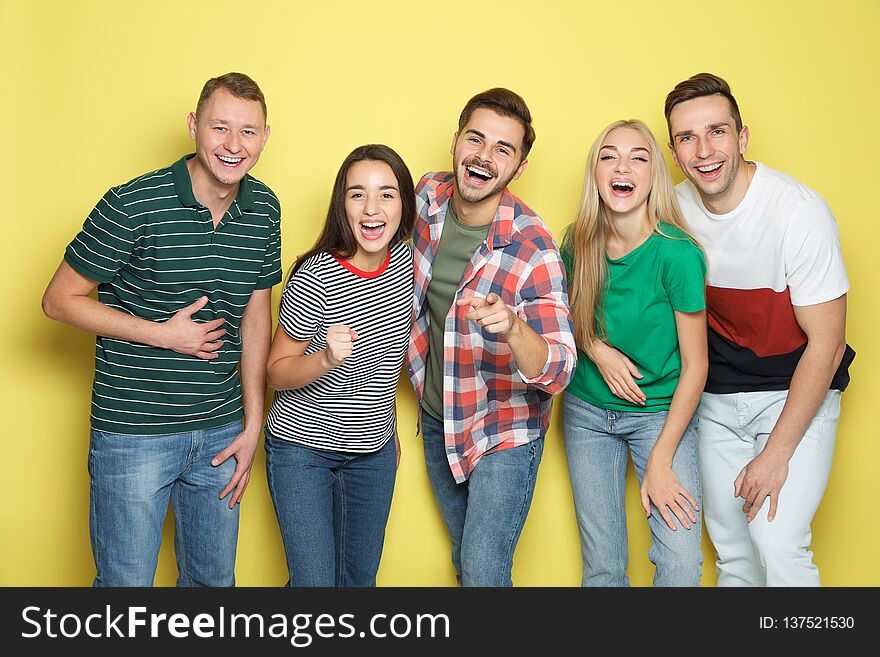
501 228
183 186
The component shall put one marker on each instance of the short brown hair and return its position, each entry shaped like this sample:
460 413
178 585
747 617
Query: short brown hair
697 86
506 103
237 84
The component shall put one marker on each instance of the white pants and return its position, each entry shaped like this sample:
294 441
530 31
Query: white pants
733 429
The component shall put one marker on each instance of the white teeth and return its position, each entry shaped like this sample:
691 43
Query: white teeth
710 168
372 224
478 171
622 183
230 160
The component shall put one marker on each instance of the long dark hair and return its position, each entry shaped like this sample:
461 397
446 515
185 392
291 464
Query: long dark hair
337 238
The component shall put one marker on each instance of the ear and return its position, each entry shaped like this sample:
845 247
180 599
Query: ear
743 139
191 124
265 137
452 145
520 169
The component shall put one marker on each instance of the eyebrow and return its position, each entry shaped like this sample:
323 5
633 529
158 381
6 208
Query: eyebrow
632 150
225 122
710 126
500 141
350 187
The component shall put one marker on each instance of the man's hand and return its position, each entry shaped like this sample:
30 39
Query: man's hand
339 344
617 371
762 477
490 312
183 335
662 487
242 448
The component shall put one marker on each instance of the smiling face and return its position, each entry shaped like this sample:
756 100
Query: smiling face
373 208
230 134
623 171
487 155
709 151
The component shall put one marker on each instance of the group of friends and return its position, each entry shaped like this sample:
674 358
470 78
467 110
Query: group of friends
699 330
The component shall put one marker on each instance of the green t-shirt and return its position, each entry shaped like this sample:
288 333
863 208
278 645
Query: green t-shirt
458 244
645 287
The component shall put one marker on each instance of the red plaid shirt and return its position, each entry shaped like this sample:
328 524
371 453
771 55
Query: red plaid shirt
488 404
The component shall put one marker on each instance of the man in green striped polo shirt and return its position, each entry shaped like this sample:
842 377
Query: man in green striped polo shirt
184 259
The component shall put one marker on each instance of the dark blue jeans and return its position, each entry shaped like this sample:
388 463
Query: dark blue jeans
332 508
485 514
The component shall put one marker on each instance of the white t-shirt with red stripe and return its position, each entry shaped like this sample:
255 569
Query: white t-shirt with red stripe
779 248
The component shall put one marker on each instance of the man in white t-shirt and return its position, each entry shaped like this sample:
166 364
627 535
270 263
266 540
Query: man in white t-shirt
778 358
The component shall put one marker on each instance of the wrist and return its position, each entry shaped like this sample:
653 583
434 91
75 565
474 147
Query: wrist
775 450
159 334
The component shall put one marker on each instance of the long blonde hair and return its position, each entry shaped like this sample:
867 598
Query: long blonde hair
587 236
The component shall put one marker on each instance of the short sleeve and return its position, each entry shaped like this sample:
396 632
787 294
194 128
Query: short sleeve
270 273
302 305
105 243
814 267
684 277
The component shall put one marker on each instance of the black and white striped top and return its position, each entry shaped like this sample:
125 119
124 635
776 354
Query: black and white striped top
351 408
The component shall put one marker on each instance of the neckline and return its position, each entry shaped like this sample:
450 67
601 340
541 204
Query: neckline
360 272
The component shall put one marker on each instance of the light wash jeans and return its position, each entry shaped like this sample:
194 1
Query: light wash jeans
332 508
734 429
484 515
597 442
133 479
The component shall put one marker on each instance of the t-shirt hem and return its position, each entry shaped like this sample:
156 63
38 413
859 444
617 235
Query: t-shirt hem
323 447
164 429
821 298
81 268
626 408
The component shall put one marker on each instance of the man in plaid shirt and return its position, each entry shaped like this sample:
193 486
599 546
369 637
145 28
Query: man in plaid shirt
492 341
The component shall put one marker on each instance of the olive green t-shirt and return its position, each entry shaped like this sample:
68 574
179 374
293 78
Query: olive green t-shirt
645 288
458 244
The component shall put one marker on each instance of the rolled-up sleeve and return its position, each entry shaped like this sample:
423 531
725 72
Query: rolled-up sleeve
544 307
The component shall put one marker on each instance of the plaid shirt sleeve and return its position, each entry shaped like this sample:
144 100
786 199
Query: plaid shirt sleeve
544 308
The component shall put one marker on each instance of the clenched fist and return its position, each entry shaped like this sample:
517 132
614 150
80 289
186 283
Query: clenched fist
340 339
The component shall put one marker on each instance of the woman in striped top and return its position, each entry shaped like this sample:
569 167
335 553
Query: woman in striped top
344 324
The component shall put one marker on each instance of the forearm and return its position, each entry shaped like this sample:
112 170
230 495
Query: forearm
529 349
291 372
809 385
255 339
685 400
93 316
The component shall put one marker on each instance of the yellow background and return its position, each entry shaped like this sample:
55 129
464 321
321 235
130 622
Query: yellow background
96 93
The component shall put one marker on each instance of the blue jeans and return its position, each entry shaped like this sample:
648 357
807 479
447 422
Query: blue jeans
485 514
596 443
133 479
332 508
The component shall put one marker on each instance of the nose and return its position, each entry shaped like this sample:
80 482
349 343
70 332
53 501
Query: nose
233 142
704 149
371 207
622 165
485 152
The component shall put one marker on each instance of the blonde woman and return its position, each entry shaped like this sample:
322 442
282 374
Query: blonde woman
636 282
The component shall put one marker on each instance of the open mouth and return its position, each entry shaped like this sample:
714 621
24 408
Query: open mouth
372 230
230 161
477 175
622 187
709 170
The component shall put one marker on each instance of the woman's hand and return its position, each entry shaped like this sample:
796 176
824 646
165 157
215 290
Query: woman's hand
618 371
661 486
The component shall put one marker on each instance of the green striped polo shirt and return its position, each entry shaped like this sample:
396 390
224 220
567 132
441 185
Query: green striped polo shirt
153 250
